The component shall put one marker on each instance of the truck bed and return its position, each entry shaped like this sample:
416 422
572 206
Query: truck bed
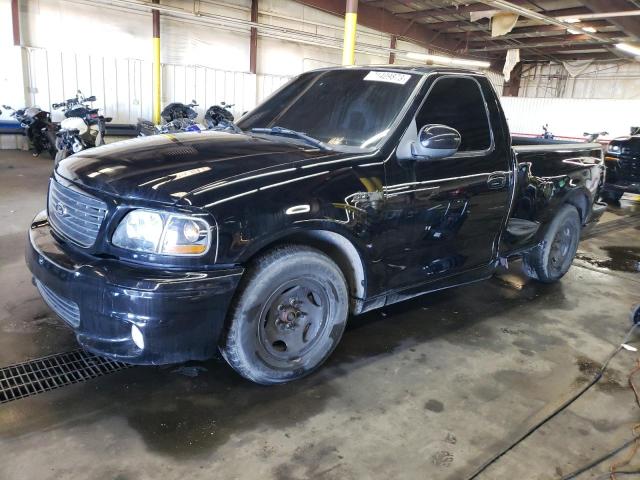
519 140
550 173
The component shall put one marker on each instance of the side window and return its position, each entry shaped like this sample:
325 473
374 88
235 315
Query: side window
458 103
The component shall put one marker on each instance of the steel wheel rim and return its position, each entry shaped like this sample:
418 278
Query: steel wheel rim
293 320
561 248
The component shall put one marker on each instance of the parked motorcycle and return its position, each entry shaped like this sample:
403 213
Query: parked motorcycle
84 127
39 128
219 116
547 135
593 137
178 117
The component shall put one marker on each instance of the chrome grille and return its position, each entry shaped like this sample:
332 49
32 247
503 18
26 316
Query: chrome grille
75 215
64 308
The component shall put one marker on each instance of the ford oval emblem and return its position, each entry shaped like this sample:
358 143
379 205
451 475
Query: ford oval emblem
61 210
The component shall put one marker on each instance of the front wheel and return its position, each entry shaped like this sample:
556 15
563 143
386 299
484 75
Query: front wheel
553 257
60 155
289 315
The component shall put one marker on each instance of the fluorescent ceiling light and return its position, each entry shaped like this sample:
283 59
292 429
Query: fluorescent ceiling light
625 47
589 29
570 20
573 31
442 60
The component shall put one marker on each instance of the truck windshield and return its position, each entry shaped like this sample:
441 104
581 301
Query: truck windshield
350 110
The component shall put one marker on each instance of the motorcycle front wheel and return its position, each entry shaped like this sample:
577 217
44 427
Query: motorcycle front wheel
60 155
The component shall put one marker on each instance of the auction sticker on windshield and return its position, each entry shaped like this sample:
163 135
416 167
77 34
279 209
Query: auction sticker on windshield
390 77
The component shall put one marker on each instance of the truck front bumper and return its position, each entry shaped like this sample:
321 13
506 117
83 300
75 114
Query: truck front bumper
622 186
134 315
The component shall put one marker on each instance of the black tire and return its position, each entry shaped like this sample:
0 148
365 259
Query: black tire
612 196
288 317
552 259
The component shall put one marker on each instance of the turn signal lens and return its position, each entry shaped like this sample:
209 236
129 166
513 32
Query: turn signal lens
185 236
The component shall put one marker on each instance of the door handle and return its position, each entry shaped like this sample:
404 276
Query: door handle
497 181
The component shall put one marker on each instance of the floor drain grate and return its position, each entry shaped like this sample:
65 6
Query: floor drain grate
55 371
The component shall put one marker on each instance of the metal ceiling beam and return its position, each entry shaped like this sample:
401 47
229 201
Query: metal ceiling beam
550 35
576 56
525 12
572 48
448 11
384 21
482 35
532 43
630 25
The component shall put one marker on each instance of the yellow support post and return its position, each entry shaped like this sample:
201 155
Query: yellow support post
350 22
156 65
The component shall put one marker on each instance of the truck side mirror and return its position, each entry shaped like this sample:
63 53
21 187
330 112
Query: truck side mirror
436 142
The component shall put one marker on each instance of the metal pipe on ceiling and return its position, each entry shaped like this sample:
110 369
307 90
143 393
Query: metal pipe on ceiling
595 16
242 26
525 12
239 25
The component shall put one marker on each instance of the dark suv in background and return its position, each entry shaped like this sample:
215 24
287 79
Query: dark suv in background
623 166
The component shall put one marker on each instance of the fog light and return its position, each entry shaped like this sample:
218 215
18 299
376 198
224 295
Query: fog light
136 336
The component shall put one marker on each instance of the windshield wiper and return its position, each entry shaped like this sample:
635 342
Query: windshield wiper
285 132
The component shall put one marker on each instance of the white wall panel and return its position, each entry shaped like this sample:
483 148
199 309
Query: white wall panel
123 86
600 81
571 117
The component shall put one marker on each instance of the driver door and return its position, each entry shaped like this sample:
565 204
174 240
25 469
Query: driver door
449 212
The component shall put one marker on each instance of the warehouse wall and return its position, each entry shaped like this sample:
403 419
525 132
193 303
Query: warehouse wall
106 51
568 117
618 80
606 97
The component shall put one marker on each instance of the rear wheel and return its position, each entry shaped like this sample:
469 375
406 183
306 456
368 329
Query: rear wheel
289 316
553 258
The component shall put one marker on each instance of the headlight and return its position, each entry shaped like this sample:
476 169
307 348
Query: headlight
613 149
163 233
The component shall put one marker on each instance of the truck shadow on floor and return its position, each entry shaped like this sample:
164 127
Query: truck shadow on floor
182 417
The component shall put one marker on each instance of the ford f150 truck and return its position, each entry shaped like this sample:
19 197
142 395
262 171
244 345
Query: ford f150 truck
622 160
347 190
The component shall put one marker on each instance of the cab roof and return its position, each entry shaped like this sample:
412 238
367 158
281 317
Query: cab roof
419 69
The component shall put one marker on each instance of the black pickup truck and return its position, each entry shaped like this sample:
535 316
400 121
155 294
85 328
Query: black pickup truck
261 242
622 160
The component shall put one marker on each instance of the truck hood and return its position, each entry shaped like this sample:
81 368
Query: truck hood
165 168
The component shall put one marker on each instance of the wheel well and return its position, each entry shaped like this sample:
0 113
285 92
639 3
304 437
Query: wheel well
341 251
581 202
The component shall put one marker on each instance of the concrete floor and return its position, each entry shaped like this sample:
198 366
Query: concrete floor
431 388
